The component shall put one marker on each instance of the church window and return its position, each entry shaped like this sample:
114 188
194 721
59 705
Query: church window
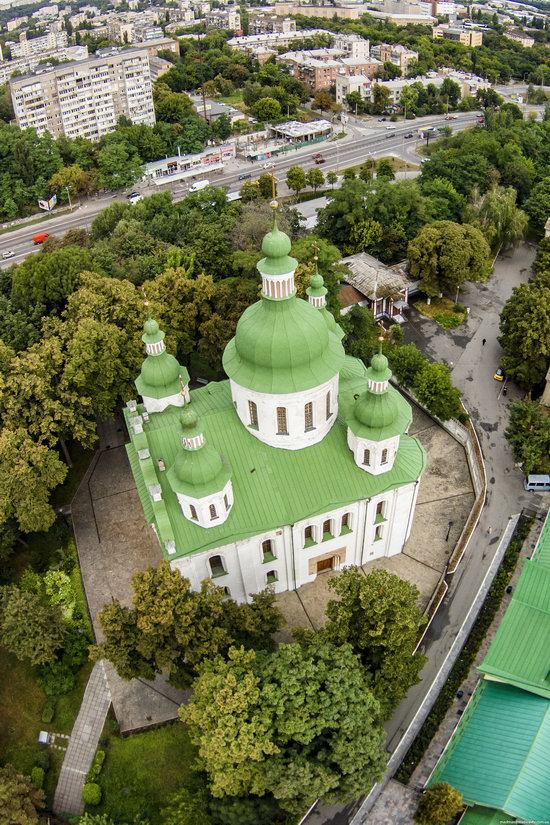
366 458
267 551
345 523
272 577
193 512
216 566
378 533
308 536
308 415
281 421
327 406
213 513
380 512
327 529
226 502
384 459
227 592
253 412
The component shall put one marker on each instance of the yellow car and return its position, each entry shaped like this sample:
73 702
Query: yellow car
499 375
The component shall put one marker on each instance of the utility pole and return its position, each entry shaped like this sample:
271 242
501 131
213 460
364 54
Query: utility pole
67 190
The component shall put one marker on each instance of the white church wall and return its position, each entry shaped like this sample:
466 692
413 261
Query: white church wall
294 404
343 547
222 502
376 449
153 405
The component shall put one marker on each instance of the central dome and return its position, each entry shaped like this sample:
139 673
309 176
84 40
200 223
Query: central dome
282 347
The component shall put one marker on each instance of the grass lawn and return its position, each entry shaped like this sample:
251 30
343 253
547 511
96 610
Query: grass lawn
443 311
143 770
232 100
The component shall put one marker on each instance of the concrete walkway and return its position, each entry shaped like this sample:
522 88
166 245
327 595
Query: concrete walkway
82 744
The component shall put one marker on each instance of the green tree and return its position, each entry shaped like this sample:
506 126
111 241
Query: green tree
541 264
299 723
73 178
444 255
380 98
384 169
28 473
389 71
332 178
315 178
406 362
323 101
48 279
172 629
119 166
439 805
378 616
266 109
529 435
355 102
296 179
20 801
434 389
500 220
265 184
525 331
221 128
30 628
187 808
445 203
537 206
250 191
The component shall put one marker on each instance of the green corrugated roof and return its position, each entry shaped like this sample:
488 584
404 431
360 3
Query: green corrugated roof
520 651
542 550
271 487
484 816
500 752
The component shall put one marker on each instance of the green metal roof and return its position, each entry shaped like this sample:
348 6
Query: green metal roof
276 246
520 651
500 752
282 347
484 816
268 483
542 550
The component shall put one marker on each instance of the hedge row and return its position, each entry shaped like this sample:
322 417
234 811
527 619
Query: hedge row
468 654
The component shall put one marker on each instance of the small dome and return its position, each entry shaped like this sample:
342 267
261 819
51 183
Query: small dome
189 418
160 371
150 327
199 467
276 244
377 411
317 280
379 362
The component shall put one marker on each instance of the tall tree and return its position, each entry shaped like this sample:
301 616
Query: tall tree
48 279
434 389
439 805
299 723
20 801
500 220
30 628
296 179
525 331
118 165
529 435
378 616
172 629
537 205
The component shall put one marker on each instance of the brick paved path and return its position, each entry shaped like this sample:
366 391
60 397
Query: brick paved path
83 743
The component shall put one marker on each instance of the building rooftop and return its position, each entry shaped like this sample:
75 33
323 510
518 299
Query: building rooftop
499 754
268 483
374 279
294 128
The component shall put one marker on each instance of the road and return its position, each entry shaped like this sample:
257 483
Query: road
364 140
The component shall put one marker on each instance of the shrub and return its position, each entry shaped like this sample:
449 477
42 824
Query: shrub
37 776
49 712
439 805
91 793
43 760
97 765
56 679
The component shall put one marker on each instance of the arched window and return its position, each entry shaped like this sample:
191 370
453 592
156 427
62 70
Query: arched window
272 577
213 513
308 534
281 421
308 416
366 458
327 529
226 502
227 592
345 520
253 413
380 508
384 459
193 510
267 550
216 566
328 405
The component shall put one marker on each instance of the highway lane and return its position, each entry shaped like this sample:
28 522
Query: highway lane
350 151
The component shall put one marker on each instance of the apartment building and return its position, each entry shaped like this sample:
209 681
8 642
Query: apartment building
270 40
53 41
352 45
398 55
23 65
469 85
269 23
319 68
224 19
468 37
16 23
85 99
520 37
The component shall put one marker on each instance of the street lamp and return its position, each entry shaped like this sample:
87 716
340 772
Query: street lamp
66 189
449 530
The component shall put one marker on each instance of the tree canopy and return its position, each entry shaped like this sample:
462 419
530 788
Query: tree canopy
525 331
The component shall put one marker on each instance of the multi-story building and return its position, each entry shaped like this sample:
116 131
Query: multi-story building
345 85
319 68
120 30
23 65
299 464
466 36
16 23
520 37
53 41
85 99
272 40
267 23
398 55
224 19
352 45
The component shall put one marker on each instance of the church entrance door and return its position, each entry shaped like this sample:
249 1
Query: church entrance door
325 564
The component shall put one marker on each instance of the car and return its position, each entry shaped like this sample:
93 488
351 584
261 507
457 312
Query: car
134 197
453 117
391 128
409 135
320 160
381 120
9 253
245 176
499 375
389 135
316 155
269 166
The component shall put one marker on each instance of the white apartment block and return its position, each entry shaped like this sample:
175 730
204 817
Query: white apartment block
85 99
223 19
52 42
352 45
14 24
250 42
23 65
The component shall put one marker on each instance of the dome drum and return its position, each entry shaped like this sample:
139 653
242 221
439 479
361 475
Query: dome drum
210 510
374 457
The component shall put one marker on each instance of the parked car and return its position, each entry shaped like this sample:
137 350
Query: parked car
245 176
499 375
134 197
381 120
409 135
9 253
316 155
200 184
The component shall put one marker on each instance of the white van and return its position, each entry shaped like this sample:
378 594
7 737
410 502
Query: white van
198 185
537 483
390 128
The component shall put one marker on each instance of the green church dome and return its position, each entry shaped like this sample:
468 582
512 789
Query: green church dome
160 371
161 376
150 327
189 421
378 414
282 346
379 370
276 244
376 409
197 472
